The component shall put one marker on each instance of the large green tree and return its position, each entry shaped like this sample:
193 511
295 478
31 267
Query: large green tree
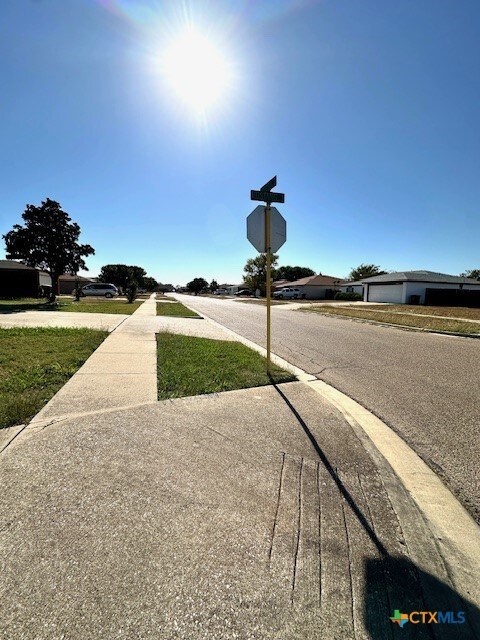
365 271
256 272
150 284
196 285
122 275
472 273
293 273
48 240
213 286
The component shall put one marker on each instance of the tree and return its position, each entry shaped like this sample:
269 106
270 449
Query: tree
256 272
293 273
365 271
196 285
150 284
213 286
121 275
472 273
48 241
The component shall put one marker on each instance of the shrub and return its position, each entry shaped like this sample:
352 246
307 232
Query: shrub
349 295
131 291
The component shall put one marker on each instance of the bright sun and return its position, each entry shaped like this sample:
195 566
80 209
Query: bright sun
197 71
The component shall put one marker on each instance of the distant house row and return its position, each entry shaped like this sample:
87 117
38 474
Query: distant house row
19 281
400 287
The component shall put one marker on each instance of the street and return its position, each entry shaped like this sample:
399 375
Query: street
422 385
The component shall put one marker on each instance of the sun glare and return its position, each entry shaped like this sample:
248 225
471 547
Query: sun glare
197 71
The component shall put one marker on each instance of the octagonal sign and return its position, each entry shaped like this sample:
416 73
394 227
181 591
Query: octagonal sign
256 229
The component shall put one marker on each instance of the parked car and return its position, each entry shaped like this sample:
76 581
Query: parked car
288 293
100 289
220 292
243 292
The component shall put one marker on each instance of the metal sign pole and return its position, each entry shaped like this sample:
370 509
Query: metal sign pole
268 279
261 238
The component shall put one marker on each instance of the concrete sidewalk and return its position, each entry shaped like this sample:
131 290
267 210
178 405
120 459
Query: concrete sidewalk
102 321
250 514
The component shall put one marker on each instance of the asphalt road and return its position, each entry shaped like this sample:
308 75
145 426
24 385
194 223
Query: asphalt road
425 386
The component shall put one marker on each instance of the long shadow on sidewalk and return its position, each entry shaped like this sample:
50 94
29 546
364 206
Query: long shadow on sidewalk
393 584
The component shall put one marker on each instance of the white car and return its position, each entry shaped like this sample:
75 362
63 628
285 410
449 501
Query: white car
100 289
220 292
288 293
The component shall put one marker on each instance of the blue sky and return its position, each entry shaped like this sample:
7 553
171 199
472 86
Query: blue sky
366 111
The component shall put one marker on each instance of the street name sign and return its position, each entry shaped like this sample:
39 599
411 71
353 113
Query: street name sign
256 229
268 186
267 196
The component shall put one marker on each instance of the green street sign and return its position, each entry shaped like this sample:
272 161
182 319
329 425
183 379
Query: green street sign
267 196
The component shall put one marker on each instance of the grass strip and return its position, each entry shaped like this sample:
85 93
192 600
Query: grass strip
189 366
176 309
82 306
263 302
35 363
463 313
405 320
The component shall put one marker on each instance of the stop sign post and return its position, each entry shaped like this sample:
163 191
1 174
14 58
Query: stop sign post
267 231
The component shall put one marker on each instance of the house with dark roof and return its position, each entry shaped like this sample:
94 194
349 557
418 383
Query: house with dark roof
67 283
421 287
352 287
19 281
314 287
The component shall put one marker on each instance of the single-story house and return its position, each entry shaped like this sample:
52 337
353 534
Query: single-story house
352 287
315 287
277 284
231 288
19 281
421 287
67 282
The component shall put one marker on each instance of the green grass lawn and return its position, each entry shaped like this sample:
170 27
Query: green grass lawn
83 306
36 363
394 317
189 366
175 309
465 313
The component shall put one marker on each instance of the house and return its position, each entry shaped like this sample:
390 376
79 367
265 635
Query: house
277 284
231 288
19 281
352 287
422 287
315 287
67 283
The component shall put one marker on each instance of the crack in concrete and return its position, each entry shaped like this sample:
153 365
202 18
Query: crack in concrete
280 484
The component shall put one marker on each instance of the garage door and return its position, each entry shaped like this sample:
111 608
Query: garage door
385 293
